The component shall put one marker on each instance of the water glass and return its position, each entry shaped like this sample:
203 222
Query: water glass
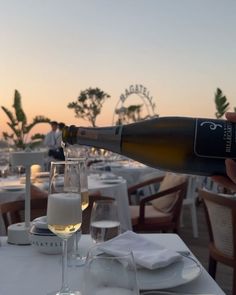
105 274
104 222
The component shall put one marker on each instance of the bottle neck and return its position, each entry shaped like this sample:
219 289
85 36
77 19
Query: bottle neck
105 137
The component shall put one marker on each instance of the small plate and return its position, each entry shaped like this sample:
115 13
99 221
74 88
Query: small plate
13 188
176 274
112 181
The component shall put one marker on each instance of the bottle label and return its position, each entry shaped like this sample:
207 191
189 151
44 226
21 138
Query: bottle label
215 138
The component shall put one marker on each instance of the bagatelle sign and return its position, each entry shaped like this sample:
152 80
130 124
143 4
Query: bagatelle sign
141 92
137 89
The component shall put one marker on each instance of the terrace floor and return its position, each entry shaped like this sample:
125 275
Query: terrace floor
199 246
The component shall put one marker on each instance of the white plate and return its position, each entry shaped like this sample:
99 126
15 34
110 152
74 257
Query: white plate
13 188
112 181
176 274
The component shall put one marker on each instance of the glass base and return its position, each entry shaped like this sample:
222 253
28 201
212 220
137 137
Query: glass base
65 293
76 260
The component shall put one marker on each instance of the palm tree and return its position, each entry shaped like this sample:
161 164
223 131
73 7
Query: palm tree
129 114
221 103
19 126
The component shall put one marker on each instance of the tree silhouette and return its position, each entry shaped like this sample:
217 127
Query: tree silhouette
221 103
89 104
19 127
129 114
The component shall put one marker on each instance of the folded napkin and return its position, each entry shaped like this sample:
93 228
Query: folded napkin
146 253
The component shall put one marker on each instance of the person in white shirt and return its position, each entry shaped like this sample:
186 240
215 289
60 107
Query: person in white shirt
50 140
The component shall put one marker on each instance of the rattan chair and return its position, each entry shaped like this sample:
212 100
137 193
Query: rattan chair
221 220
159 211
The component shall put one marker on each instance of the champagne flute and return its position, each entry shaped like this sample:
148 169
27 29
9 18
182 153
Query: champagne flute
106 274
104 222
64 215
76 259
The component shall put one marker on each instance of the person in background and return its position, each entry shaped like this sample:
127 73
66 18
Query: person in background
230 181
50 140
59 153
59 133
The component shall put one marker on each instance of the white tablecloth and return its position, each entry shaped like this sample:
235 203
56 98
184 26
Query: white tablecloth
132 173
23 270
118 191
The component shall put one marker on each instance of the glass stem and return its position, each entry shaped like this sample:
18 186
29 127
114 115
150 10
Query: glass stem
77 238
65 285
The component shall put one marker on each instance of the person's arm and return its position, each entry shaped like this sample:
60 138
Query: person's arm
230 181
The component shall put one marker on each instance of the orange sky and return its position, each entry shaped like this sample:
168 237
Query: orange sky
181 51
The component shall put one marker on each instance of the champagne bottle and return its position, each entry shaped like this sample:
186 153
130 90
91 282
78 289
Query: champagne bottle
179 144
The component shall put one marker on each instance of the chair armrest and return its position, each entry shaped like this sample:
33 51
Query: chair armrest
144 201
132 189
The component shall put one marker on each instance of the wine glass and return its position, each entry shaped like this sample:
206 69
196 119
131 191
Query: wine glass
76 259
64 215
4 165
106 274
104 222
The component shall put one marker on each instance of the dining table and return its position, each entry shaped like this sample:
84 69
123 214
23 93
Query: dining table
24 270
132 171
12 189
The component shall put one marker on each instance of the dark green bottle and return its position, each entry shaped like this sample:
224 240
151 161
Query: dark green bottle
179 144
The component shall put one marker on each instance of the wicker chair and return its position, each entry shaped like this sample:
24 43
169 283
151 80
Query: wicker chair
159 211
221 220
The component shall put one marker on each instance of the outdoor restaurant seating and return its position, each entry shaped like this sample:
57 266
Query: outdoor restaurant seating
221 219
13 212
159 211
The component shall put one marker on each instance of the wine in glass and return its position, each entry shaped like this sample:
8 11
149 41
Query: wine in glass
64 215
104 223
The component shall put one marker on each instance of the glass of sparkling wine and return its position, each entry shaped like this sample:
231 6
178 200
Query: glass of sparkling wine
64 214
104 222
106 274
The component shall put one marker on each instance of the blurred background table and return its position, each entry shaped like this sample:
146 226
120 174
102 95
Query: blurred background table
12 189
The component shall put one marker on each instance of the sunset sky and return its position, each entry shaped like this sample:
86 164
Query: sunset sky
180 50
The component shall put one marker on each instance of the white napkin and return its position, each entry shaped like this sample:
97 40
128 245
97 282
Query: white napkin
146 253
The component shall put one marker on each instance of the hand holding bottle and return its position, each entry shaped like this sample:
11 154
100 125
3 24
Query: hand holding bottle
230 181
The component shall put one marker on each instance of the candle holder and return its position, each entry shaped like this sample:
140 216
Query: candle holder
18 233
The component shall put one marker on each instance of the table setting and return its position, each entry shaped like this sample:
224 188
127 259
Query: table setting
112 259
36 273
130 170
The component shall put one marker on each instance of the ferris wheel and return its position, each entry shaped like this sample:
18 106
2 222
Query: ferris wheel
138 92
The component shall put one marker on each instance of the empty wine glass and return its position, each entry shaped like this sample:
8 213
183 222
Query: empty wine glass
104 223
4 165
64 215
105 274
75 258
